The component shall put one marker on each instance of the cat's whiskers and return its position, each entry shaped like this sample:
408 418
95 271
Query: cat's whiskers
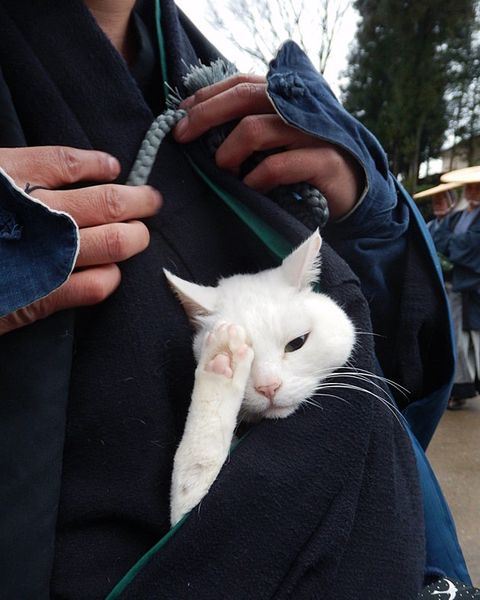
390 382
312 403
348 386
369 333
345 372
362 377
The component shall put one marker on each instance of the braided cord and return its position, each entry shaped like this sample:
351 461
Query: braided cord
147 154
302 200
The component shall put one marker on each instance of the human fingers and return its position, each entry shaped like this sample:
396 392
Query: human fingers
216 88
101 204
331 170
57 166
260 132
111 243
233 103
82 289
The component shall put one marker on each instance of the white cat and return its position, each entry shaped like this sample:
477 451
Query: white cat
263 344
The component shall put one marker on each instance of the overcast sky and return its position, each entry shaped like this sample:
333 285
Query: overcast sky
337 62
197 11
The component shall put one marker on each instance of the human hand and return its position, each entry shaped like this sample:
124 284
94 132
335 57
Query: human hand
303 158
104 213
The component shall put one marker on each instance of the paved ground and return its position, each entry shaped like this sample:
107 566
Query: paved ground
455 456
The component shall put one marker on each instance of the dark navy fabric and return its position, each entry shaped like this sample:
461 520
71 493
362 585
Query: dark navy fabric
297 508
11 134
34 385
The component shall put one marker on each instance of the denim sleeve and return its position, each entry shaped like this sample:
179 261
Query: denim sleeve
38 247
303 99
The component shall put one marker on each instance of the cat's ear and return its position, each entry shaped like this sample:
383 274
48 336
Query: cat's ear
196 299
301 268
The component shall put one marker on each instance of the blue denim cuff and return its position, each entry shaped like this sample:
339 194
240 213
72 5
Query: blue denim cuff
303 99
38 247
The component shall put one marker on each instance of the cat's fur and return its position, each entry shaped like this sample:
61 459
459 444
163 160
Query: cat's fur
246 362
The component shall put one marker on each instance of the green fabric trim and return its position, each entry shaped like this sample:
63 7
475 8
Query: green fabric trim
161 46
123 583
276 243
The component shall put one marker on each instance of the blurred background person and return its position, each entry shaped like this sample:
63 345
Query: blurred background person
443 201
458 239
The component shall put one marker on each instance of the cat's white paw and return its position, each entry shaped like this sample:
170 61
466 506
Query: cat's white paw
220 379
226 353
192 478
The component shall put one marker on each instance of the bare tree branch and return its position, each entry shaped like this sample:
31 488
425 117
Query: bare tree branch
258 27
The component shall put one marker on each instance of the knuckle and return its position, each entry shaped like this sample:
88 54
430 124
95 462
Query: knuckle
69 163
332 160
114 204
252 128
23 316
245 90
197 113
117 243
200 95
240 78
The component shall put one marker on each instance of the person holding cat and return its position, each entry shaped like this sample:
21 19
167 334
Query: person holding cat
94 401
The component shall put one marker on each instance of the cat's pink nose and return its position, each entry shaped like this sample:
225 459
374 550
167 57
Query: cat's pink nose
269 390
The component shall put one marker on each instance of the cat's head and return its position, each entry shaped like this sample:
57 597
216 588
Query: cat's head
298 336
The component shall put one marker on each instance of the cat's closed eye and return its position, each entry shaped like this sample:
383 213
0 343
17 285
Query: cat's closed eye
296 343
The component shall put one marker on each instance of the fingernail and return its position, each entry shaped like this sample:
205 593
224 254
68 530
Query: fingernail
113 164
158 197
181 128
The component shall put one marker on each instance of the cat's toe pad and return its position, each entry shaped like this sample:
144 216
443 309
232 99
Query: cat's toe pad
225 350
237 343
221 365
225 337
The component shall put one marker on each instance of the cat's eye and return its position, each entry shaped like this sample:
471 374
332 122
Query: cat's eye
297 343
